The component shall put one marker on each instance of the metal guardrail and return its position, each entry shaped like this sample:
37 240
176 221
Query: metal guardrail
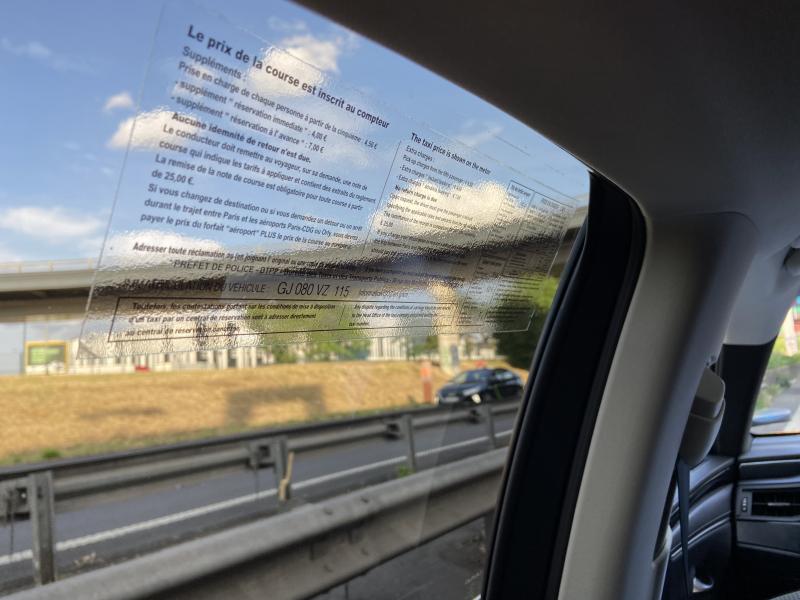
305 551
37 490
306 436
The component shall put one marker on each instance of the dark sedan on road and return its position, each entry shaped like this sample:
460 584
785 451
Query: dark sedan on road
481 385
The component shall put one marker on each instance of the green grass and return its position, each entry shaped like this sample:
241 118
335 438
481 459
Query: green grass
777 360
404 471
162 440
770 392
45 418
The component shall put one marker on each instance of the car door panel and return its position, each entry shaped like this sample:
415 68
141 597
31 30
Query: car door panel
710 530
710 544
767 511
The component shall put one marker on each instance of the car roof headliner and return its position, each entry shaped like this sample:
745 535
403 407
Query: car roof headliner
688 106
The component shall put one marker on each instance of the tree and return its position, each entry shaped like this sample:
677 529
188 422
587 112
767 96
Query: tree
423 346
316 345
338 350
518 346
282 353
469 346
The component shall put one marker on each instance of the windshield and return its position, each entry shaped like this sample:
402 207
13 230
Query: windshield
241 250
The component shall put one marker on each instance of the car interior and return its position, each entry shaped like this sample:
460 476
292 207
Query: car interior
684 114
633 469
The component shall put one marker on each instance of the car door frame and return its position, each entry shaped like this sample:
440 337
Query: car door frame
531 528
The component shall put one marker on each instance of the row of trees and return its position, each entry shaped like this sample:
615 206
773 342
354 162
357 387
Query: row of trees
420 347
517 347
321 351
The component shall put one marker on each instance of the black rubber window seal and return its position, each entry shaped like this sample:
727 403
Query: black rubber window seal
568 376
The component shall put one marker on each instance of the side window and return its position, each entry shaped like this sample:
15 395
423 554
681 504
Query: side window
778 405
503 375
303 257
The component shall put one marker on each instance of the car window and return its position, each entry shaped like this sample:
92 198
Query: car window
501 375
471 376
778 405
289 239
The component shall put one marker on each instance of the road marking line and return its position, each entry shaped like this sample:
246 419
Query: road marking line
162 521
455 445
353 471
16 557
111 534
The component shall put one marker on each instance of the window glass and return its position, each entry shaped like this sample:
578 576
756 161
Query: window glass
155 157
471 376
778 404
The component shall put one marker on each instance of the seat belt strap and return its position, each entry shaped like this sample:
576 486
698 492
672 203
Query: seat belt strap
682 472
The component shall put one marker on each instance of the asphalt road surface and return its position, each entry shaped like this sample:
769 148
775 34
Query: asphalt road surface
123 525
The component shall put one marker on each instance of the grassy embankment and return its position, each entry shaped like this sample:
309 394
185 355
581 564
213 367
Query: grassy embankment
45 417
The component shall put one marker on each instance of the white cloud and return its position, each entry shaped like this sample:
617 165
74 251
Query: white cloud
7 255
202 72
32 49
280 61
52 223
37 51
323 54
278 24
91 246
147 130
119 247
304 56
122 135
473 212
123 100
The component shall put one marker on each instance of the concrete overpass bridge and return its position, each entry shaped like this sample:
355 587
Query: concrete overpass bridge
55 289
59 289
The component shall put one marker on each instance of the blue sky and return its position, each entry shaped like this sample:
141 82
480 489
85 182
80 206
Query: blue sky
72 74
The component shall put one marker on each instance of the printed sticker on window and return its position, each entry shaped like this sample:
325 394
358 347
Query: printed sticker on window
261 200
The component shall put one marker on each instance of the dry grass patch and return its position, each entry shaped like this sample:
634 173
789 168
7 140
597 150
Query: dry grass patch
81 414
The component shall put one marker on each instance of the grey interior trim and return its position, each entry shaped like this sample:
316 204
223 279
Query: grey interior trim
661 563
772 447
683 105
705 419
767 294
765 469
707 513
778 537
699 536
647 399
712 473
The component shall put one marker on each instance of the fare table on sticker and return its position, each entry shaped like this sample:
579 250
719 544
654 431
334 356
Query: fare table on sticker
262 199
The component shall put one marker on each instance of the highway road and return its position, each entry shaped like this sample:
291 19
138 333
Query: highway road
126 524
